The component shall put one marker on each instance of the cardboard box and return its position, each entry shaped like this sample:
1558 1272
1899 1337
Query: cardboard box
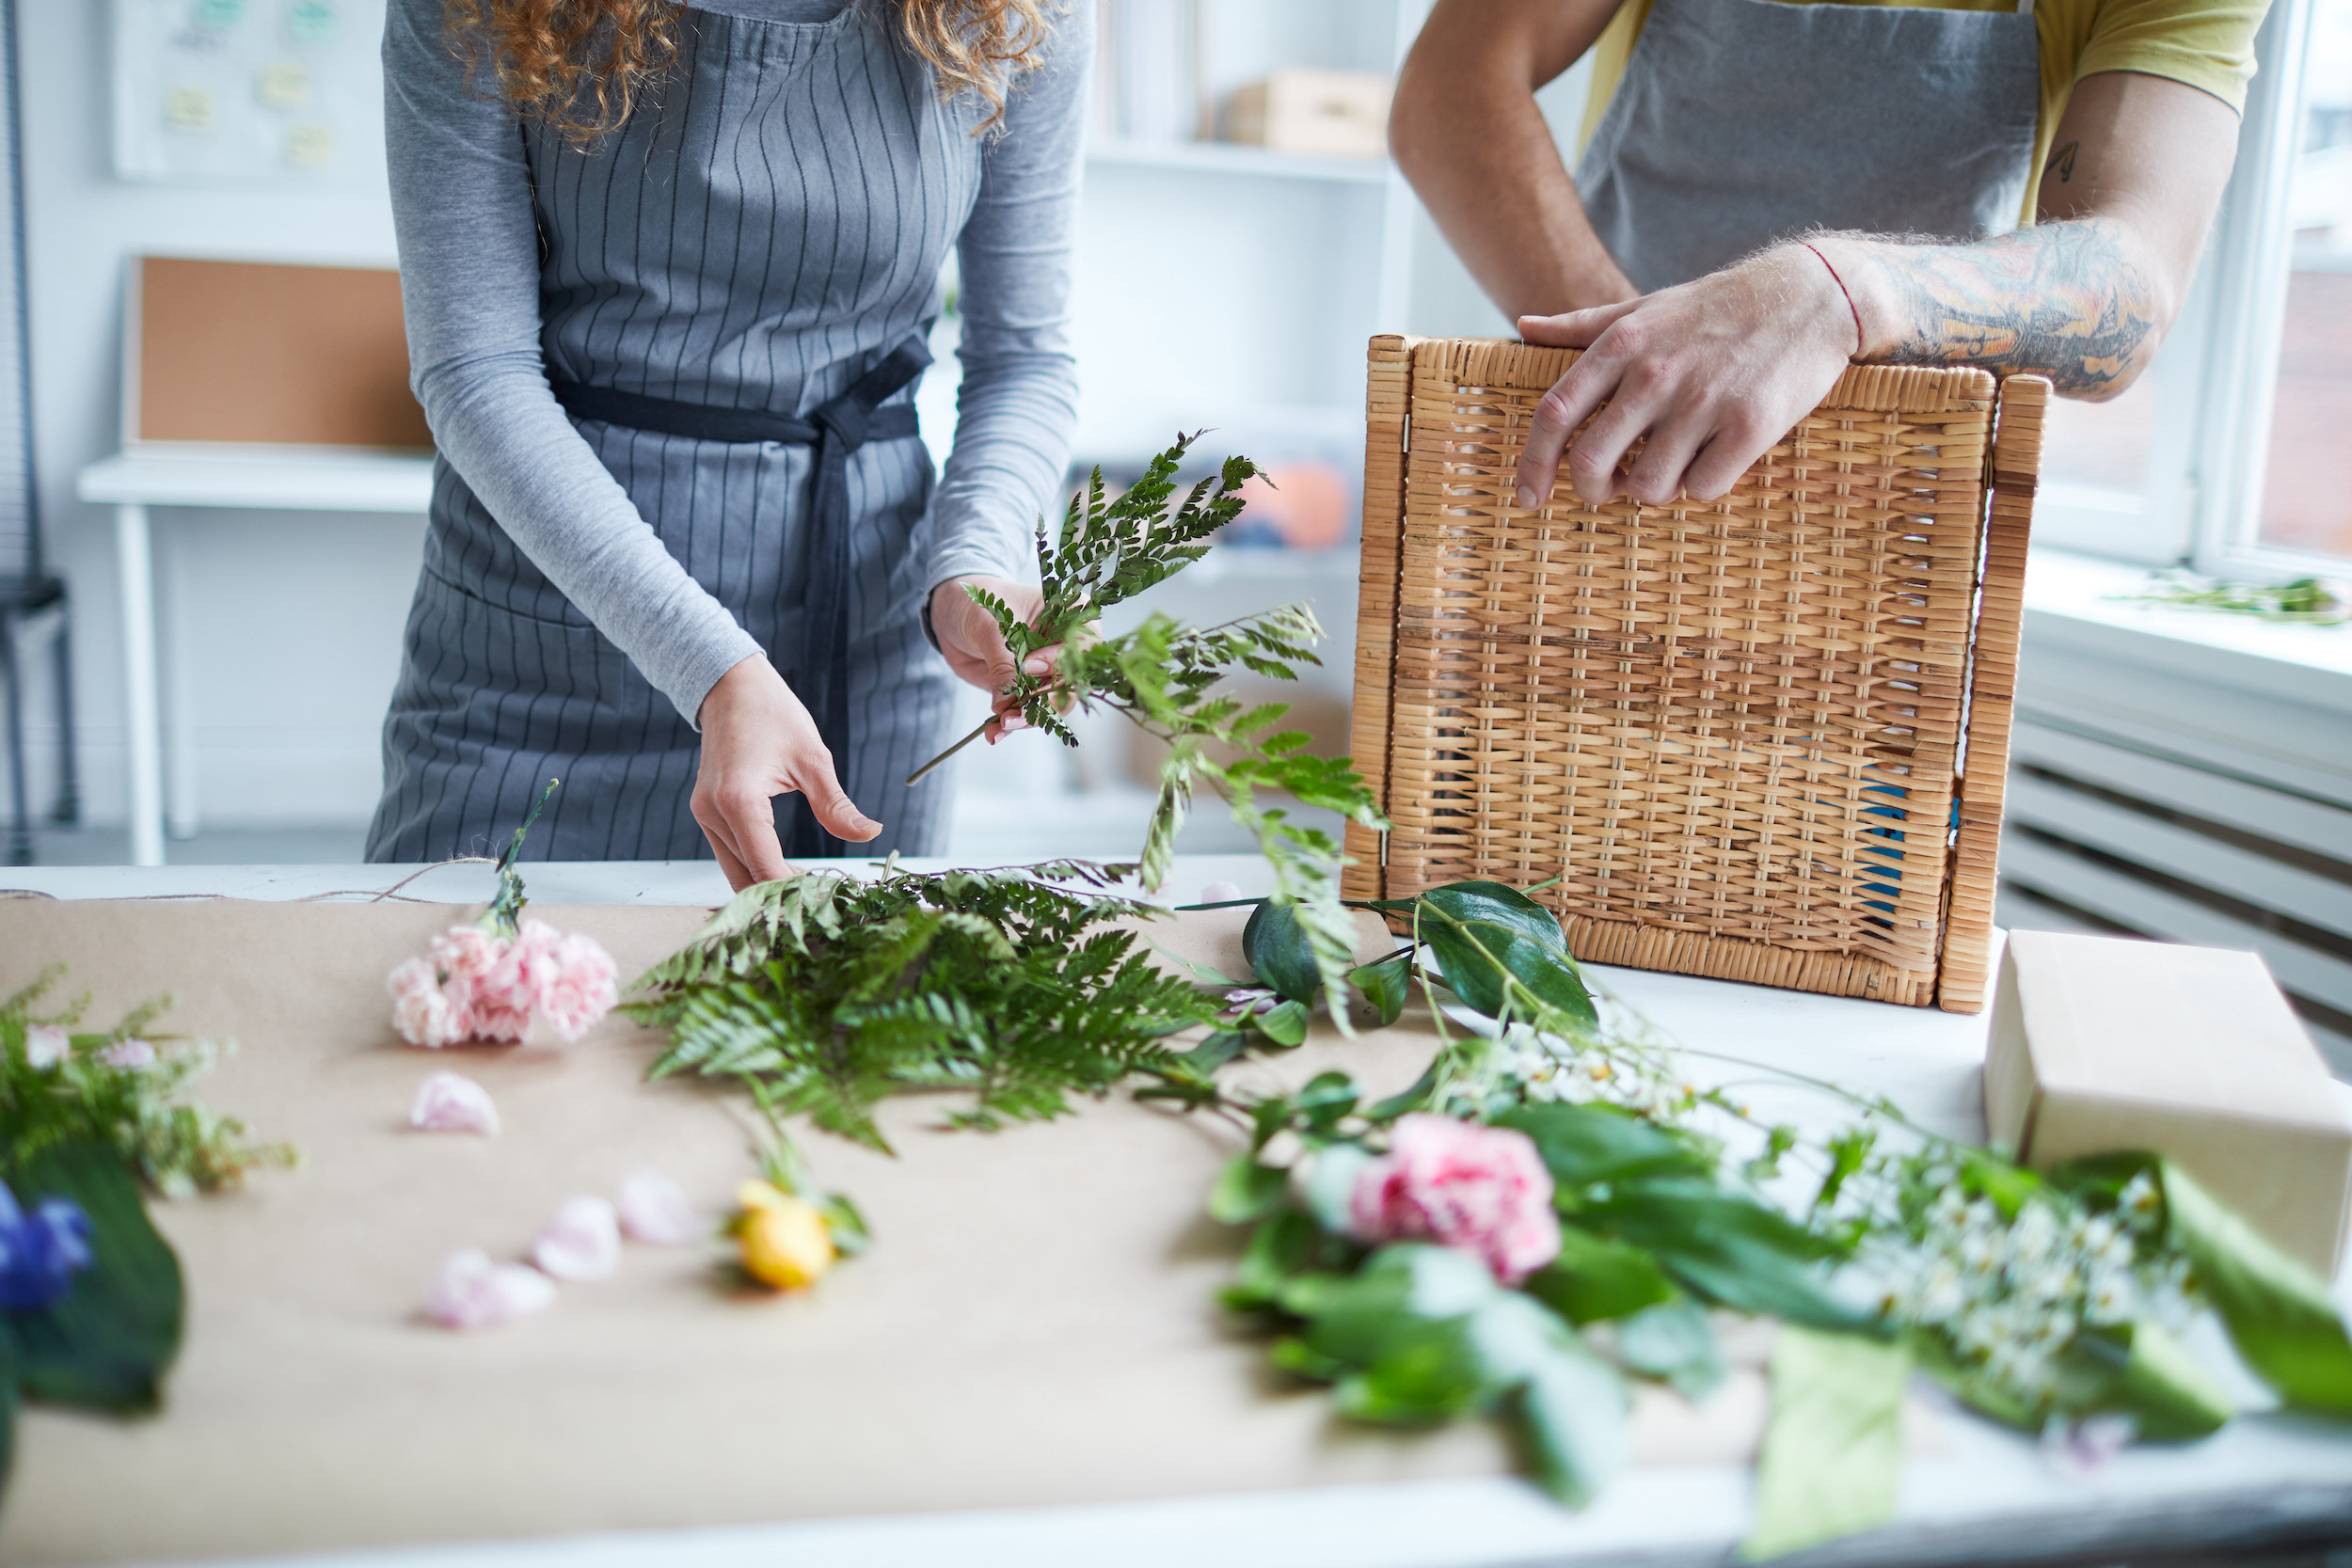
2100 1044
1331 113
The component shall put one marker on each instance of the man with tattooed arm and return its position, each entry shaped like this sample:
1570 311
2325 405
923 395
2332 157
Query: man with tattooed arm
1769 190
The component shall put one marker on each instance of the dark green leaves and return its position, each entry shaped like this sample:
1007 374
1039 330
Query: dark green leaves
1276 945
1384 986
1595 1278
106 1342
1245 1190
1727 1248
1504 955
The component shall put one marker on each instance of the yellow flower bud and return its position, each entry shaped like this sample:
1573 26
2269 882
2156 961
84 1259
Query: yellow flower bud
786 1240
751 1196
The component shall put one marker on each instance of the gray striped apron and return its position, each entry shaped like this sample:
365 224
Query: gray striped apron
1740 123
759 236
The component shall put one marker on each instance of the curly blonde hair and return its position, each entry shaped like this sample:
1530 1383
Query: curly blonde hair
579 66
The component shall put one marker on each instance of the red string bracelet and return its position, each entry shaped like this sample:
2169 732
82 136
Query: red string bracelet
1841 289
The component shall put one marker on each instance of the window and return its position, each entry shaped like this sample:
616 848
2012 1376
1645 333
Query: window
2234 451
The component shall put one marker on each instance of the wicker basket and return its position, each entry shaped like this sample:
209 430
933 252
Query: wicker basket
1760 738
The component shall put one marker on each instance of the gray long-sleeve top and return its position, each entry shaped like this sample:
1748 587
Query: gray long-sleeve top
463 200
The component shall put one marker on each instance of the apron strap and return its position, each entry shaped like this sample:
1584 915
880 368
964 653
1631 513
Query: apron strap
844 424
836 429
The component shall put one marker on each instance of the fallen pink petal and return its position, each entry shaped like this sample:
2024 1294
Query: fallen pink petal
472 1291
581 1241
451 1102
653 1209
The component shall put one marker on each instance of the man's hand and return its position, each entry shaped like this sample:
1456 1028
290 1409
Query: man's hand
759 742
1714 372
975 647
1708 374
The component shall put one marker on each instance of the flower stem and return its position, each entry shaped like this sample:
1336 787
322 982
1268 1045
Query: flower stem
978 730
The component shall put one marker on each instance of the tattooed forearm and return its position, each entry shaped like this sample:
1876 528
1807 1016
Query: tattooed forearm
2066 300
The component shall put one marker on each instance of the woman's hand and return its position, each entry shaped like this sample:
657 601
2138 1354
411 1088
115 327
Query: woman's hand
1712 372
975 648
759 743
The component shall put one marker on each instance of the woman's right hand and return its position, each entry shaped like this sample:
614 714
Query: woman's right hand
759 742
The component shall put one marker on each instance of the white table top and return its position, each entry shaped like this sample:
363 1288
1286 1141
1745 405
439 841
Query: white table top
297 479
2267 1480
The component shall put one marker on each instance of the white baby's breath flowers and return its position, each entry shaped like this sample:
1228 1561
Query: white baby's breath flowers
2010 1295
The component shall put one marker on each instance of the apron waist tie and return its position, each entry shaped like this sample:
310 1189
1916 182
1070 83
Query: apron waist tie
836 428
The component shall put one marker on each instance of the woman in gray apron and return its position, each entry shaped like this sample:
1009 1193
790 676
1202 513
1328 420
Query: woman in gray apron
1777 189
670 363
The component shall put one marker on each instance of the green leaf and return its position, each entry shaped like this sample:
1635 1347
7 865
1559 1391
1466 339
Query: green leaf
1245 1190
108 1341
1276 945
1480 963
1283 1024
1327 1098
1384 985
1425 1372
1575 1413
1581 1145
1279 1248
1833 1450
2280 1313
1675 1342
1596 1278
1729 1249
2137 1369
1330 1185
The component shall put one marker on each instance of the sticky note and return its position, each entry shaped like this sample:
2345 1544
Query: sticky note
285 84
188 109
310 146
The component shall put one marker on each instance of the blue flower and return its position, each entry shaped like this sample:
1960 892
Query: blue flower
39 1252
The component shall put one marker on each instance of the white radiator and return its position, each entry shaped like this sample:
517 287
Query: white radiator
2190 794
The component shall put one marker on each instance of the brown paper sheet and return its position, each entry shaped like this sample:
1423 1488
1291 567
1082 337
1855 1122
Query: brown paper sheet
1035 1325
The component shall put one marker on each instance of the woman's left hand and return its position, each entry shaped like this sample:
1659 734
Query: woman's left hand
976 648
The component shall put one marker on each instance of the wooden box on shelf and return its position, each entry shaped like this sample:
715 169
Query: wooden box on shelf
1760 738
1331 113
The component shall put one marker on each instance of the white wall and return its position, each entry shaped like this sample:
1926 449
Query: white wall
293 621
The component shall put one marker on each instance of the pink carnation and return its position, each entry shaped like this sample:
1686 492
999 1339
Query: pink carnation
578 986
451 1102
46 1045
472 1291
1478 1189
423 1011
493 977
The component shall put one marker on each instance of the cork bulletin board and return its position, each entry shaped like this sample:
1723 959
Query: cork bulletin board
265 353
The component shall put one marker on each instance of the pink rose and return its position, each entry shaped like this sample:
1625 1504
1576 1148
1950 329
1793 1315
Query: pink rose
422 1010
451 1102
653 1209
579 987
581 1241
130 1055
471 1292
1478 1189
46 1045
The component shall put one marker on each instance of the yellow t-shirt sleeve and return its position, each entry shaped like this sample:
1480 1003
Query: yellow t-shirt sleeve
2207 44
